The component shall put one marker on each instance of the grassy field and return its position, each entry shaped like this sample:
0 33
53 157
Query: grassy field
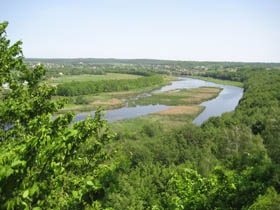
219 81
86 77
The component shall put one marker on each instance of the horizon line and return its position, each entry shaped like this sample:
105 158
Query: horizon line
155 59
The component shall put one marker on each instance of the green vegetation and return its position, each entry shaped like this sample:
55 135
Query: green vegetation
185 108
107 100
58 72
84 88
230 162
45 163
145 67
151 62
165 121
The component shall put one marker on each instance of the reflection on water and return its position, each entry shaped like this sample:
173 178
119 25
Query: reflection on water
225 102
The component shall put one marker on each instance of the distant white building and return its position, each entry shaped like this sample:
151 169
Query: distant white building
60 73
5 86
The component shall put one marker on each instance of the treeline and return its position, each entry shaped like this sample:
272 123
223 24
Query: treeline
93 87
130 71
240 75
188 64
138 70
57 72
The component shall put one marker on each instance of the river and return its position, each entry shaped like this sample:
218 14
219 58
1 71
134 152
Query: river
226 101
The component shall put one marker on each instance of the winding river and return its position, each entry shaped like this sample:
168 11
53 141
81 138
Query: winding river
226 101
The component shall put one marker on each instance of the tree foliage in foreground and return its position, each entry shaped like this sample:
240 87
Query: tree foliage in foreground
46 163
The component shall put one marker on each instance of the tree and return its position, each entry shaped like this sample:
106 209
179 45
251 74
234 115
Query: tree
44 162
270 200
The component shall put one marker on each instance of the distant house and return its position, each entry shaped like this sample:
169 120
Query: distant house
33 66
5 86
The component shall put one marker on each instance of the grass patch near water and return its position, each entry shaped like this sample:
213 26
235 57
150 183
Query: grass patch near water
165 121
182 97
185 109
219 81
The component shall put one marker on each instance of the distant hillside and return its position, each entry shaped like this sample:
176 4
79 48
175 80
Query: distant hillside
146 62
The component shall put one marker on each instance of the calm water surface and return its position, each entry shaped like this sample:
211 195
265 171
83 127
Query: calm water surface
225 102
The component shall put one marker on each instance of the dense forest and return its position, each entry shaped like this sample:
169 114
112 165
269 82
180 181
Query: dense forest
230 162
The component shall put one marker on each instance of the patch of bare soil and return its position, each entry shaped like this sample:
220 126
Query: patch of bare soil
120 93
113 101
179 110
54 84
203 95
207 90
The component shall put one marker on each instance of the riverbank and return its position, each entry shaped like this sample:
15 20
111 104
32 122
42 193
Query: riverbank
110 100
172 105
219 81
192 96
184 108
175 101
167 120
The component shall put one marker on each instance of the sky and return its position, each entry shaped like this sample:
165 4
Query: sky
197 30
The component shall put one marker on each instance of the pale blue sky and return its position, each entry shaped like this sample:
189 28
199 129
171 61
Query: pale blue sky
210 30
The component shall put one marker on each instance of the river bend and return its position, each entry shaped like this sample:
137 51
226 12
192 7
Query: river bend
226 101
